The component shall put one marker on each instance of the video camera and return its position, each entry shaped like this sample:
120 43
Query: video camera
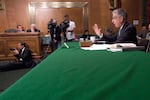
12 49
64 25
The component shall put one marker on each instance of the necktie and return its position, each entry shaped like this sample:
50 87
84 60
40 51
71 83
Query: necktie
119 32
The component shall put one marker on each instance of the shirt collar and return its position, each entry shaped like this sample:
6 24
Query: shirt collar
22 50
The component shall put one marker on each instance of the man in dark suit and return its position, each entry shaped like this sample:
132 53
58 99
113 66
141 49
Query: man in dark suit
24 58
55 32
126 33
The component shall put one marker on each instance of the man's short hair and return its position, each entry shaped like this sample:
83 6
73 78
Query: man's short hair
33 25
23 44
121 12
18 26
66 16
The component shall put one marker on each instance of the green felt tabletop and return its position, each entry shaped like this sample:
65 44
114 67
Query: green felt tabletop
76 74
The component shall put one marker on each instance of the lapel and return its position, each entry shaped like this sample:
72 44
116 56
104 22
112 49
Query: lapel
121 31
22 51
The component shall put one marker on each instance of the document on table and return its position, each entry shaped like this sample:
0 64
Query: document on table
97 47
110 47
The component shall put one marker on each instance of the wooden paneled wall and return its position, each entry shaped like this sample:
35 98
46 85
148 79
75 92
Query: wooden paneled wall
17 12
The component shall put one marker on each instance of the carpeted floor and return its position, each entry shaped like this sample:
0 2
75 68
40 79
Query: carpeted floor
7 78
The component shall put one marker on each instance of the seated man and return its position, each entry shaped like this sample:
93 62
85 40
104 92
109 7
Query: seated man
126 33
23 56
33 28
142 34
86 35
20 29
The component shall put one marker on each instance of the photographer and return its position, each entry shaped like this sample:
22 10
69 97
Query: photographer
23 56
67 27
55 32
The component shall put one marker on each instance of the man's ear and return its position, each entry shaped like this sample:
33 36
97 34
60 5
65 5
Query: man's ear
122 19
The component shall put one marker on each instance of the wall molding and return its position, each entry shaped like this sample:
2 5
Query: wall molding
34 5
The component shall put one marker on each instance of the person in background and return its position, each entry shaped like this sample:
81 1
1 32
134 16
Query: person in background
24 58
20 29
108 33
86 35
68 27
55 32
126 33
143 32
33 28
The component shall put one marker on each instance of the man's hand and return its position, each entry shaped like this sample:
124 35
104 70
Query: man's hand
15 52
54 40
97 30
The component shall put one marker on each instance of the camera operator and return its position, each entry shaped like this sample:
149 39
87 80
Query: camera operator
67 27
55 32
49 26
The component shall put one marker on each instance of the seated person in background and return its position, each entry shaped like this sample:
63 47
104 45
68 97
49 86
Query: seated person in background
126 33
33 28
108 33
86 35
20 28
23 56
143 32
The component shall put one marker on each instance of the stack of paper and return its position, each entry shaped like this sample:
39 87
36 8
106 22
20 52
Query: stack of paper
97 47
110 47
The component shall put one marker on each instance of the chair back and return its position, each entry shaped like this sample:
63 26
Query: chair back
148 45
148 36
143 42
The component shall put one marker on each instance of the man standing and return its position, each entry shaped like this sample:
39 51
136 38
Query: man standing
68 27
55 32
126 33
23 56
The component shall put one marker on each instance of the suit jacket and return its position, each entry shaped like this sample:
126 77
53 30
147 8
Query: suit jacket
127 34
25 57
55 30
35 30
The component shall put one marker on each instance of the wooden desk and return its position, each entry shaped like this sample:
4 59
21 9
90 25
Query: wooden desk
10 40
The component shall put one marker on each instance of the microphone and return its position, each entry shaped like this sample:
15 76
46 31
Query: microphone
66 45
